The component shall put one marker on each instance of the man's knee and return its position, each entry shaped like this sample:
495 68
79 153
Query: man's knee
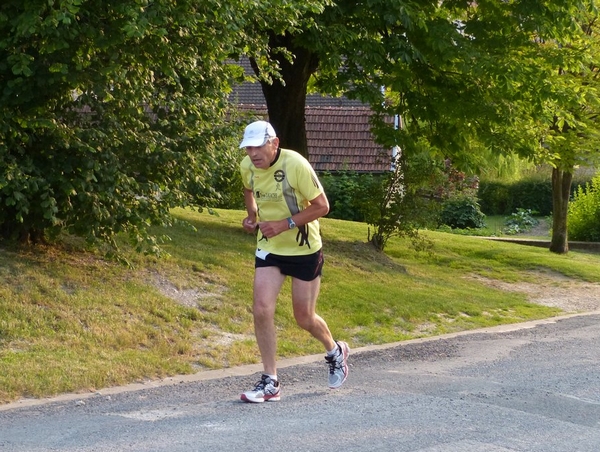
262 309
305 320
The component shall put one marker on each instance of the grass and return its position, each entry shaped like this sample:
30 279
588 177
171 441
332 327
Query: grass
71 321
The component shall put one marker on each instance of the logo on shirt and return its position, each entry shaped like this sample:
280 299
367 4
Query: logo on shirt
279 175
266 195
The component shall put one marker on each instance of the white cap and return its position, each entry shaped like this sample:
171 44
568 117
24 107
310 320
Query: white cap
257 134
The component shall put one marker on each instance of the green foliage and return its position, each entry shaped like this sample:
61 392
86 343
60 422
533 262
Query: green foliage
462 212
535 193
438 190
435 190
458 195
495 198
112 112
434 69
584 212
499 198
350 194
475 79
471 80
520 221
222 187
403 202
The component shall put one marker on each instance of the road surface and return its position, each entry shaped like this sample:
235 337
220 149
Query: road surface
532 387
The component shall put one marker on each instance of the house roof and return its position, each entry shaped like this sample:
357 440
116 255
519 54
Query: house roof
340 139
337 130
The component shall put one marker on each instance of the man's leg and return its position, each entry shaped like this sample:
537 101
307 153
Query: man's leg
304 300
267 284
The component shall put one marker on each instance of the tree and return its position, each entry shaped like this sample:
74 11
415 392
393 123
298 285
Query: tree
487 76
552 91
109 110
466 77
285 93
573 137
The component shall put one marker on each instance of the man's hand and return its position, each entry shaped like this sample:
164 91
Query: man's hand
272 228
249 224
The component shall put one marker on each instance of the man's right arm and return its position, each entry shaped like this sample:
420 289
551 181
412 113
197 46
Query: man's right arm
249 223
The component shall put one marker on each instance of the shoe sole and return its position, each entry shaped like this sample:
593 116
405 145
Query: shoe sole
245 398
345 352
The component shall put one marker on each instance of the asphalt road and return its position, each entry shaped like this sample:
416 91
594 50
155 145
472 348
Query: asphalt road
530 387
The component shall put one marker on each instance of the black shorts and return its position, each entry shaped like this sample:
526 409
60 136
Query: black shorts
305 268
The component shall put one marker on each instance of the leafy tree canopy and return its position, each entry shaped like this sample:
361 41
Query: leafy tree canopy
472 79
458 72
467 77
110 109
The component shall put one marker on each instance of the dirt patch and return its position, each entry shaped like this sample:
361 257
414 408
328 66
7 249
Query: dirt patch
196 298
554 290
542 229
186 297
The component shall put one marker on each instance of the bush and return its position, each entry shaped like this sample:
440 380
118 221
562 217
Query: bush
350 194
495 198
499 198
584 212
520 221
462 212
223 187
105 118
534 193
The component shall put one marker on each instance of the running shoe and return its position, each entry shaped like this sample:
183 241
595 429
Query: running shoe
338 366
266 390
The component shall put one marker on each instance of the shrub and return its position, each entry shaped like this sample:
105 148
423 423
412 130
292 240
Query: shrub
498 198
584 212
462 212
535 193
222 185
532 195
351 195
495 198
520 221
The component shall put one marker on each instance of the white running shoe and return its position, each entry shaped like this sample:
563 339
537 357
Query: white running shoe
338 366
266 390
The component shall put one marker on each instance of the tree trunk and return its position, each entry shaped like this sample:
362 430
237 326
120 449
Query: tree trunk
22 234
561 191
286 101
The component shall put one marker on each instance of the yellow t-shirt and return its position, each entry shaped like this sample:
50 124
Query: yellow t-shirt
280 191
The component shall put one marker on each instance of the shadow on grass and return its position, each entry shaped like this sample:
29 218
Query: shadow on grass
362 255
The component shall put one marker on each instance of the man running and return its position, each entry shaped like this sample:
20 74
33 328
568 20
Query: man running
284 200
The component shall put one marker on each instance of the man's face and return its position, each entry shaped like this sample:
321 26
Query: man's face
263 156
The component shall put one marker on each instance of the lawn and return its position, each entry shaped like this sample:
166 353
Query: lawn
71 320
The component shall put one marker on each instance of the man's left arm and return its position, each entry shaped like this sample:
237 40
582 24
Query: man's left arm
318 208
